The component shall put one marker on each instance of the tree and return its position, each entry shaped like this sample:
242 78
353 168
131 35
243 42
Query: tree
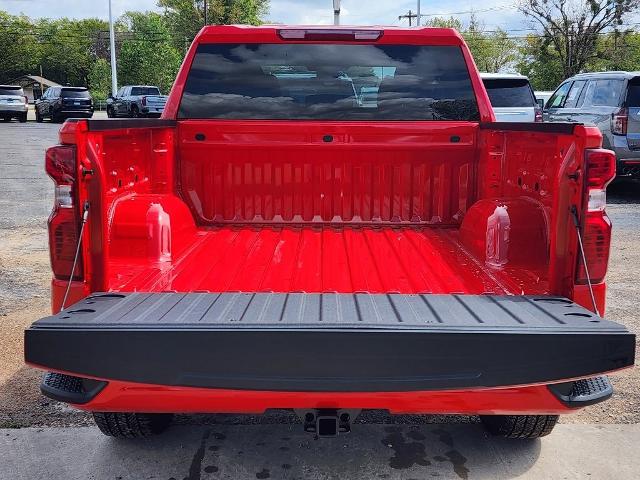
186 17
572 27
100 79
617 51
68 48
19 48
492 51
147 55
540 62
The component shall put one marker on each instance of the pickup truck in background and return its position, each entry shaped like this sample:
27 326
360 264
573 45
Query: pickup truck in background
277 242
136 101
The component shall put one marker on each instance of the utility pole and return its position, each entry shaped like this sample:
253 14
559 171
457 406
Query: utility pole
41 78
205 12
112 39
418 14
336 12
409 15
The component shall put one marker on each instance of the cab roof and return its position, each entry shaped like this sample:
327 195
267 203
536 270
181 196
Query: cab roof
389 35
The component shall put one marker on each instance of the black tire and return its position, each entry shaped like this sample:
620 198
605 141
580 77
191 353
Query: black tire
132 425
519 426
38 116
135 113
110 112
23 118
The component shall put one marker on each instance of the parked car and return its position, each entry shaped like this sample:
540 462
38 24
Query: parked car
60 103
609 100
13 103
271 242
512 97
136 101
542 97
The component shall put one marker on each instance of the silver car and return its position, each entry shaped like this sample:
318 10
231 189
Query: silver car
511 97
13 103
609 100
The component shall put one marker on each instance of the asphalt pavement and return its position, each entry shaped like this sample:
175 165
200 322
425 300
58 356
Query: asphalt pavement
242 452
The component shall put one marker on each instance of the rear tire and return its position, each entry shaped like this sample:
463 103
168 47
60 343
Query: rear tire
38 116
23 118
135 113
519 426
131 425
110 112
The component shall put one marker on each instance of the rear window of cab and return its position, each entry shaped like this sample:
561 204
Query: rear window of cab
328 82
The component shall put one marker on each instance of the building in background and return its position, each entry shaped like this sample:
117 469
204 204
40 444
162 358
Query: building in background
33 85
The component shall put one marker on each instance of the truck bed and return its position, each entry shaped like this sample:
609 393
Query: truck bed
323 259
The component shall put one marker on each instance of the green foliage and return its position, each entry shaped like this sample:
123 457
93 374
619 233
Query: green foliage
147 55
541 63
492 51
572 30
100 79
19 49
186 17
149 46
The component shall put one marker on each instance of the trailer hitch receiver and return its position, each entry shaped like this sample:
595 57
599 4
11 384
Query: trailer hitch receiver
327 422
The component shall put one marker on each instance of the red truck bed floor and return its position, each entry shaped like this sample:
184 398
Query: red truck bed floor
323 259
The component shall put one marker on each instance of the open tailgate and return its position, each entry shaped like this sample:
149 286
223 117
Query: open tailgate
336 342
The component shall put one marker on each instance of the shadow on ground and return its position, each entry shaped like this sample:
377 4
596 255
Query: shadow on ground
624 191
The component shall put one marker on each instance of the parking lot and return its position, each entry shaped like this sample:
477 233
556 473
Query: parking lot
36 432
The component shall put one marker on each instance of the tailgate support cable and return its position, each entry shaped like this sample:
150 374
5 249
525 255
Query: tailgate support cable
85 216
576 222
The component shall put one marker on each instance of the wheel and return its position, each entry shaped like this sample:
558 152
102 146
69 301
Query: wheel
38 116
135 113
519 426
23 118
131 425
110 112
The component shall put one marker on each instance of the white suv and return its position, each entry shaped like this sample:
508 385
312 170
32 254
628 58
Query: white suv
512 97
13 103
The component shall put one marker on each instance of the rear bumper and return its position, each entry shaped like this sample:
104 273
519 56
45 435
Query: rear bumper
75 113
628 160
152 111
13 110
117 396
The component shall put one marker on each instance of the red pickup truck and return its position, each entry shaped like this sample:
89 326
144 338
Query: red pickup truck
328 220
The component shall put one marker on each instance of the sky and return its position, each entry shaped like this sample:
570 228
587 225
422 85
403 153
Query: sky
492 13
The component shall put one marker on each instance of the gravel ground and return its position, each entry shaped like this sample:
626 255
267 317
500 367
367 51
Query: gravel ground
24 291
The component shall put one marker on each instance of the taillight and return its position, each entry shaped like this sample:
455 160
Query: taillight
144 101
26 100
60 164
538 114
619 120
600 167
